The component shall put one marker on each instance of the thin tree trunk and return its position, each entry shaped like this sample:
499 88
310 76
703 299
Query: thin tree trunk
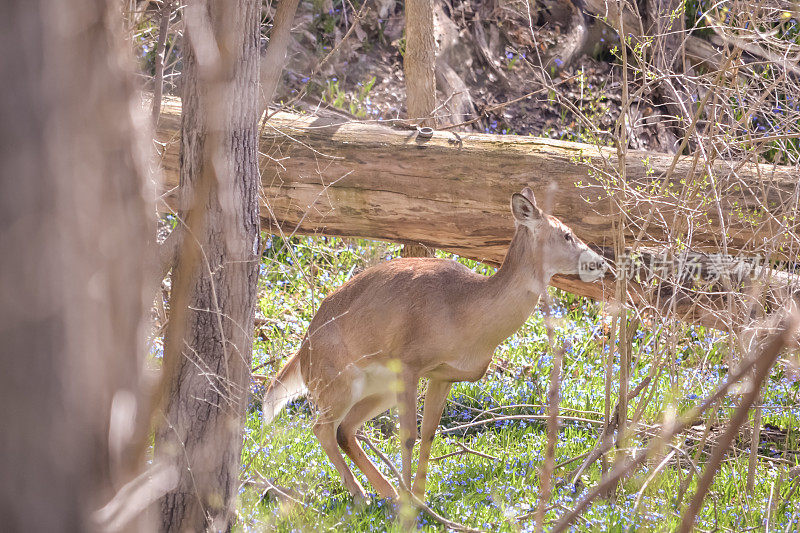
419 62
208 342
273 61
419 66
74 227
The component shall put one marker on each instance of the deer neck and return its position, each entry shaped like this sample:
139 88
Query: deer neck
514 291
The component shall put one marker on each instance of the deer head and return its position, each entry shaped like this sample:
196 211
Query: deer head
555 247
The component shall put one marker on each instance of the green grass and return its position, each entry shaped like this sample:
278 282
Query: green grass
492 494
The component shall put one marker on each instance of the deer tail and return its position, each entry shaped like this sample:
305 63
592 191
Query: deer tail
286 386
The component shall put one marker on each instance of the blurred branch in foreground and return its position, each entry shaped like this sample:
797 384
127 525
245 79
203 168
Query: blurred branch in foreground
756 365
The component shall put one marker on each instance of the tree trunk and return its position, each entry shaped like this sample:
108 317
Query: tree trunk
273 61
74 229
419 62
208 342
419 66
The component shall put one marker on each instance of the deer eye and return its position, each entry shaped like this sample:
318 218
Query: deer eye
568 237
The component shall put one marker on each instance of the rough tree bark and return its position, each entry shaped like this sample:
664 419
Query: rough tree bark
208 342
74 229
419 62
419 66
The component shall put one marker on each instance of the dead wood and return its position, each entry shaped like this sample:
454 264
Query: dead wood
451 191
274 58
485 53
451 67
572 42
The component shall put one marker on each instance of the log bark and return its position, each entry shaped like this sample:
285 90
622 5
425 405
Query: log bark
452 191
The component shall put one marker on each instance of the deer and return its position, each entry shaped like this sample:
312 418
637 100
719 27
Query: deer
373 339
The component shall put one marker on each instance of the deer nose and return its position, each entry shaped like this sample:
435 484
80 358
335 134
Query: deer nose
600 263
592 266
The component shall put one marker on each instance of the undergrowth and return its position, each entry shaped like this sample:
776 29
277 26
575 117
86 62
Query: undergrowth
499 491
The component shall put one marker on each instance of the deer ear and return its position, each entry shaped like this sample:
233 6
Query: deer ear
524 210
528 193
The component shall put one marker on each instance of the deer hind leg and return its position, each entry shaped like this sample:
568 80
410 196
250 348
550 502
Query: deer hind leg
346 436
407 410
325 430
332 391
435 398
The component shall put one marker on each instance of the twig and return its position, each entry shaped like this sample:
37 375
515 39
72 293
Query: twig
465 449
262 365
650 478
768 506
263 378
765 359
762 368
755 439
282 492
161 46
303 90
562 464
605 442
519 417
419 503
553 400
788 64
484 112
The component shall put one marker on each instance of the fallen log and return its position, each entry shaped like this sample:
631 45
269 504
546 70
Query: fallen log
451 191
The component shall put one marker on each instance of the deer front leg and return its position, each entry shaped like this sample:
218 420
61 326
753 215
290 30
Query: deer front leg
435 398
407 411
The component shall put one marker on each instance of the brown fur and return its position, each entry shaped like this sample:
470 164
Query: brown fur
374 338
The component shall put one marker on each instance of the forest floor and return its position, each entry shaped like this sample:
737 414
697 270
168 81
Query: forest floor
288 484
510 91
499 489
